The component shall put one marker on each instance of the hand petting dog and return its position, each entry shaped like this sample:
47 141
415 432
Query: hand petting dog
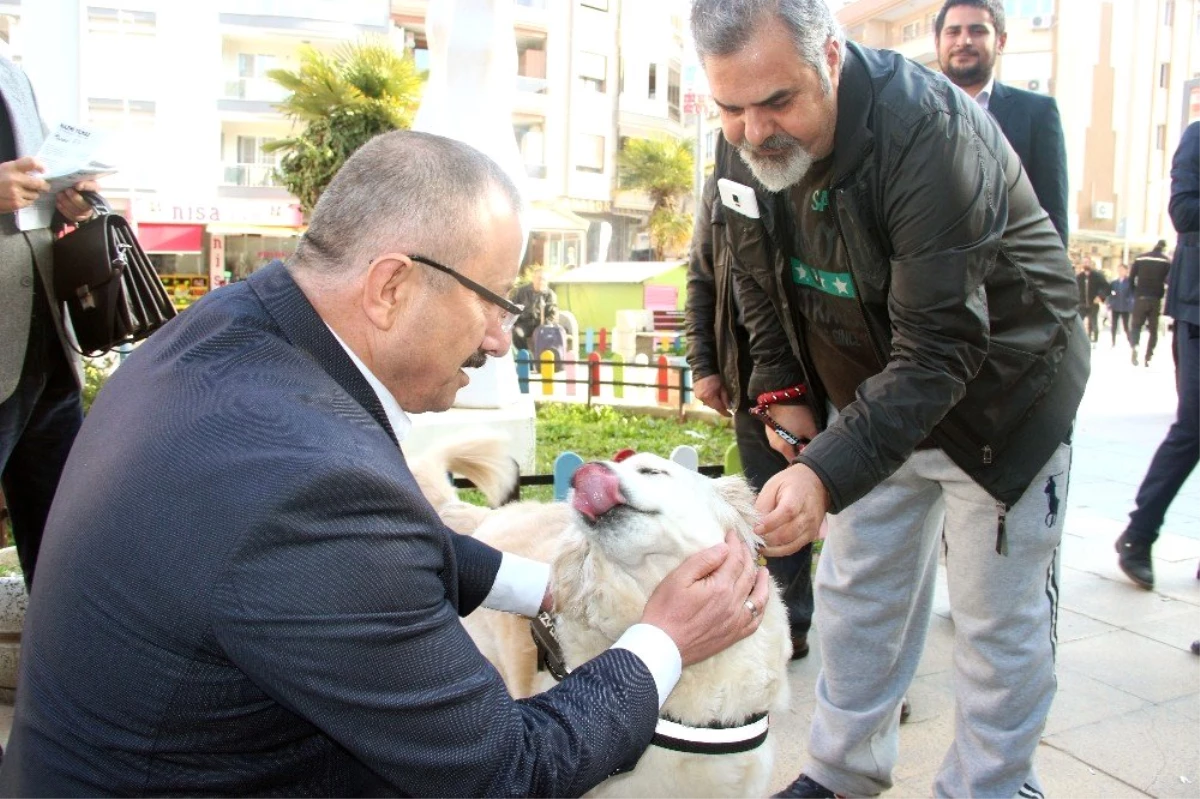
704 604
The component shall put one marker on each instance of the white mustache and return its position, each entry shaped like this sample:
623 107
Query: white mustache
777 141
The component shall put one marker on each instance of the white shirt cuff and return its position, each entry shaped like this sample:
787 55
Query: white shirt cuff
658 652
520 586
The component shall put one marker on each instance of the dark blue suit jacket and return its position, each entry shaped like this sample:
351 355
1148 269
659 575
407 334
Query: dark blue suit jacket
1183 282
242 591
1033 127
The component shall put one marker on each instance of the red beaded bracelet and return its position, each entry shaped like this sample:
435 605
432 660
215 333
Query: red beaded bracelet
783 395
768 398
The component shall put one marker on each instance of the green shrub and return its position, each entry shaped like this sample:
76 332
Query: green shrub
95 372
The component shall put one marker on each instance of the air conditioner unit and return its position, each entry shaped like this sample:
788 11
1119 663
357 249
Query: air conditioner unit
1102 210
1041 22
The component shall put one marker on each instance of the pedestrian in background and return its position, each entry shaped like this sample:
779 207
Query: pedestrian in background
1147 280
719 354
540 305
969 35
1093 292
1120 302
40 372
1177 455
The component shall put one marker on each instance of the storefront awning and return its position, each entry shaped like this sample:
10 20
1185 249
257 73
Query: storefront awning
235 229
170 238
543 218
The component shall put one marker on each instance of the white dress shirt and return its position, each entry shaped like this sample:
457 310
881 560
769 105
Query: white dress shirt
984 98
521 583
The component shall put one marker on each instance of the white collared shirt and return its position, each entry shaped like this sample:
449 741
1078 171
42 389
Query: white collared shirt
521 583
984 98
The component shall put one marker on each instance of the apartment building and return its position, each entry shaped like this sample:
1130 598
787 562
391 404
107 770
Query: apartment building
591 74
182 89
1126 76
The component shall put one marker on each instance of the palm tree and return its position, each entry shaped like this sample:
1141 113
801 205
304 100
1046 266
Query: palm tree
663 169
344 99
670 231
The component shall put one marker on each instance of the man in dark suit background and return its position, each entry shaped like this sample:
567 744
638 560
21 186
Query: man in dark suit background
969 34
244 591
1179 452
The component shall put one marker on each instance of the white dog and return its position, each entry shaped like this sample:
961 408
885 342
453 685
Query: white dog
627 526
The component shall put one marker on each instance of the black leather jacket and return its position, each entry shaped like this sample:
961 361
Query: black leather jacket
962 280
712 335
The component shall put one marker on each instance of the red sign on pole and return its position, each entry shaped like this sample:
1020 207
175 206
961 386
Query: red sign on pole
694 103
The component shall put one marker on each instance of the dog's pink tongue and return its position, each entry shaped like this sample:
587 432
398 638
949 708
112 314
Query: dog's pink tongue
597 490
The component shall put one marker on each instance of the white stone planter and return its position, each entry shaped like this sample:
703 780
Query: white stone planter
13 601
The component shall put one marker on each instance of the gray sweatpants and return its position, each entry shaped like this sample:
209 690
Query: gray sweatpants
874 594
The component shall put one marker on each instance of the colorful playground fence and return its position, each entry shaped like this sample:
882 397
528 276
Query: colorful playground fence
663 381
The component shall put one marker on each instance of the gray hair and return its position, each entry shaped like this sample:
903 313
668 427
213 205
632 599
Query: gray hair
723 27
403 191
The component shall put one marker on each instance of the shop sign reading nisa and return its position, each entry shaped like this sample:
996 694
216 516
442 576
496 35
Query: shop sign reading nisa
245 212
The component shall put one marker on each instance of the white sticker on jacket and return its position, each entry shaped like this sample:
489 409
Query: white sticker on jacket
738 197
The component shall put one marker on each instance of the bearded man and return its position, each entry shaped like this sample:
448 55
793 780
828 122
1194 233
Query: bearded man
969 34
905 291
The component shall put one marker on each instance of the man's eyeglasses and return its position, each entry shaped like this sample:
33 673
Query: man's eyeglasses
511 309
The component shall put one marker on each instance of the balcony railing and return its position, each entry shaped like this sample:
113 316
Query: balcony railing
360 12
531 85
250 175
260 89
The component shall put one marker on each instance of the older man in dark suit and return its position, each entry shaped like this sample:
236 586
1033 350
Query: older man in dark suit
969 34
246 593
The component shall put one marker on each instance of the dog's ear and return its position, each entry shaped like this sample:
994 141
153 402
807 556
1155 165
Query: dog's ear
739 495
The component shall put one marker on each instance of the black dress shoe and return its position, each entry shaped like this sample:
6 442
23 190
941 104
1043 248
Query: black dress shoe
805 787
799 645
1134 559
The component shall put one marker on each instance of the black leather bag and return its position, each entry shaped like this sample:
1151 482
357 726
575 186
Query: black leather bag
112 294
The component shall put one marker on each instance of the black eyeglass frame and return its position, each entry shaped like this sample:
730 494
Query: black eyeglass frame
503 303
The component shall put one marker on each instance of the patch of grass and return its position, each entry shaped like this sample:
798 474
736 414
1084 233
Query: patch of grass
600 431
